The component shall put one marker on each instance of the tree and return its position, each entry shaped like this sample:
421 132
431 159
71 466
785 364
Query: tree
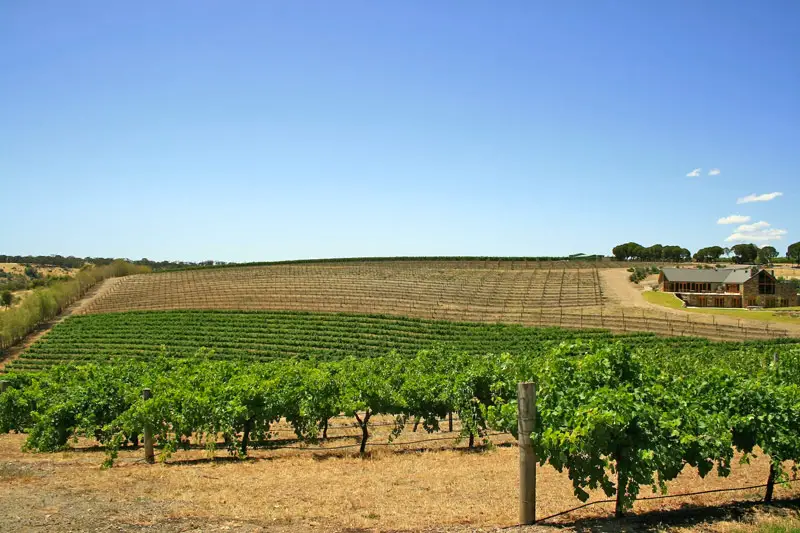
31 272
709 255
628 251
745 253
675 253
793 252
654 253
767 254
6 298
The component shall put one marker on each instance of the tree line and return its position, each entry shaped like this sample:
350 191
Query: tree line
70 261
740 253
632 251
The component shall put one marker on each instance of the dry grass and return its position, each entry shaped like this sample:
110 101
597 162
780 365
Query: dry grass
387 491
774 520
791 273
17 268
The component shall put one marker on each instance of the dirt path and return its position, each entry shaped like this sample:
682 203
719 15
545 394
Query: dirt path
14 352
618 290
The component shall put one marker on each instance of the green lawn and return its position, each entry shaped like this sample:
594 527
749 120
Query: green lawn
667 299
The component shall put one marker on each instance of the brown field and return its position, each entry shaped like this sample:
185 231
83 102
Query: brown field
534 294
434 486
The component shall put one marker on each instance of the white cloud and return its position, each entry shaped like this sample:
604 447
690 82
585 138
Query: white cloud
762 235
734 219
747 228
714 172
759 198
694 173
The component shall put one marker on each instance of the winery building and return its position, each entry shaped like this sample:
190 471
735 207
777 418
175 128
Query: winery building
744 286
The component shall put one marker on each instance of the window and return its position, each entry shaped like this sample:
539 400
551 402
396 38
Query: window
766 283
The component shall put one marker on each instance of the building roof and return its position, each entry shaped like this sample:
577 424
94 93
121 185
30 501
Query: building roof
708 275
739 276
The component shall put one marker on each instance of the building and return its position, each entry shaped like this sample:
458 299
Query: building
744 286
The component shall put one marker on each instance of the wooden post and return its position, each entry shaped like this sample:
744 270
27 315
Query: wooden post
526 416
149 454
3 386
450 421
770 484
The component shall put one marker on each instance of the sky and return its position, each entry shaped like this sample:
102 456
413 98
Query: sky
270 130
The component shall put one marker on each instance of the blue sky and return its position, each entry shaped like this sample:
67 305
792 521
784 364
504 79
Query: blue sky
264 130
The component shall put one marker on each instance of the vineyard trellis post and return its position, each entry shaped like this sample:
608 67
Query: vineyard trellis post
770 483
771 477
149 454
3 386
526 420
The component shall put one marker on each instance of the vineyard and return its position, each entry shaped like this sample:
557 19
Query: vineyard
400 288
267 335
531 293
617 416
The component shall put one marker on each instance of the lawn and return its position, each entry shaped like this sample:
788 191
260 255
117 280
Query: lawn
667 299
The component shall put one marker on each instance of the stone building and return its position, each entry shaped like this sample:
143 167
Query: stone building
742 286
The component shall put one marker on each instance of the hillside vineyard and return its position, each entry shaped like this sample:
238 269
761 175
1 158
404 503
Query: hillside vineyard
541 294
432 290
